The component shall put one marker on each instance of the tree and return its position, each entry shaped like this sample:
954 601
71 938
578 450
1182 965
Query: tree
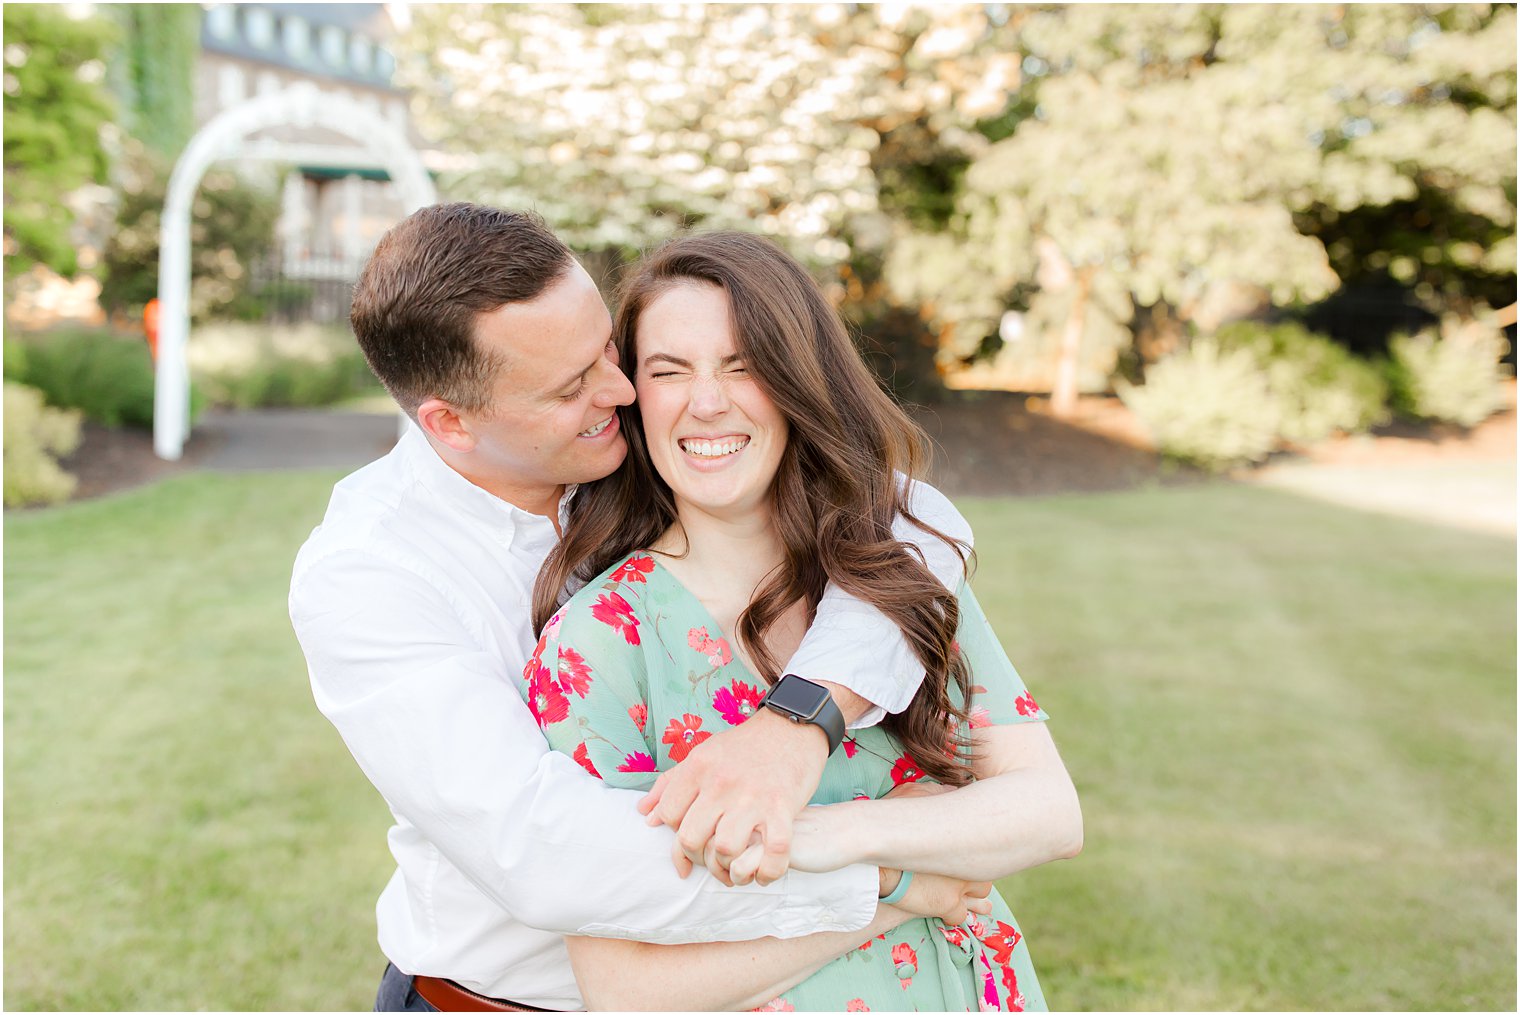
55 106
624 124
1170 148
153 72
232 223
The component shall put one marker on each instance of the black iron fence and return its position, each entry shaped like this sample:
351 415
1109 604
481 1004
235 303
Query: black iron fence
300 290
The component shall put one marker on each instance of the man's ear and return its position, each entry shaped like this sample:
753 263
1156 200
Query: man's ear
442 422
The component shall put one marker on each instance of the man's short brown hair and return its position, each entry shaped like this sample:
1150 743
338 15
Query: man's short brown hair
416 301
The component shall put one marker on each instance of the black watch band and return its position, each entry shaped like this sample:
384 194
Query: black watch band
807 703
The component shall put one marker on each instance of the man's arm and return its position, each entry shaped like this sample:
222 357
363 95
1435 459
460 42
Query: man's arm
750 781
437 726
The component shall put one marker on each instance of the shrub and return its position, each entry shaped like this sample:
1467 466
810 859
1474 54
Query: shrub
250 366
108 378
1454 377
1320 387
1208 406
232 225
35 436
15 360
292 382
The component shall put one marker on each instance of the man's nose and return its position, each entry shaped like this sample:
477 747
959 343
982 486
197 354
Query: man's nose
616 388
708 396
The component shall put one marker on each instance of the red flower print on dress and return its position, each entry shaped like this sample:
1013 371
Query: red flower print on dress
639 714
717 651
634 569
614 611
955 935
584 760
905 961
878 937
574 672
906 770
551 629
545 700
850 747
855 1004
736 702
989 999
682 735
1016 999
1002 943
638 761
1025 704
979 718
776 1004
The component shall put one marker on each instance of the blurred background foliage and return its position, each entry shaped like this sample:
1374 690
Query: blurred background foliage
1042 198
1061 193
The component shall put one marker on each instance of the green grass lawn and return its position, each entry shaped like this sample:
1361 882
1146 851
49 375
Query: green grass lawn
1292 725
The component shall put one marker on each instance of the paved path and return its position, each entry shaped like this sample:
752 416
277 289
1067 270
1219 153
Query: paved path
292 439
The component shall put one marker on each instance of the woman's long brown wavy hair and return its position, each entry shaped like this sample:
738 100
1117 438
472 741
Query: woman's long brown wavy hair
835 494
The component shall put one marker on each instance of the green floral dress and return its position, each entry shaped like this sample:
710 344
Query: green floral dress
633 673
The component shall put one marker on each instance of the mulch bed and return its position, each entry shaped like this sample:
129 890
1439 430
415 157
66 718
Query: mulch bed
110 459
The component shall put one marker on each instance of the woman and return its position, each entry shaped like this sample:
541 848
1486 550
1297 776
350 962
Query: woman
763 463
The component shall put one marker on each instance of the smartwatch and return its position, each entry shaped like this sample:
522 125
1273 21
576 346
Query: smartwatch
804 702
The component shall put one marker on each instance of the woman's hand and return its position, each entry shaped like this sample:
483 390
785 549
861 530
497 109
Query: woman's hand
952 900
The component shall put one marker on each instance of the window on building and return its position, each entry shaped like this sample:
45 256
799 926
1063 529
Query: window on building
221 21
260 24
231 85
384 63
359 53
332 45
295 33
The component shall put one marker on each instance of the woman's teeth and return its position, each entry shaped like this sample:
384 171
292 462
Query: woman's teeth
714 449
597 429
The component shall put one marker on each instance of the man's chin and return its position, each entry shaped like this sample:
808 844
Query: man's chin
603 464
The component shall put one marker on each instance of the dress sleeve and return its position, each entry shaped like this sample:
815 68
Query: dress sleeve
999 696
586 684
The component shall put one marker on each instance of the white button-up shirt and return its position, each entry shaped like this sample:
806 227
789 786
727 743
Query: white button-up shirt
412 602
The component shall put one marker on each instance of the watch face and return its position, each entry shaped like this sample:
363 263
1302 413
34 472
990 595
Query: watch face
798 696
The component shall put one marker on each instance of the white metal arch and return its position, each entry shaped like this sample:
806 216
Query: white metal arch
300 105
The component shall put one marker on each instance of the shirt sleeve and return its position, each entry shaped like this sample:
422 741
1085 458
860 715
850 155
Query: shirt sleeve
437 725
854 644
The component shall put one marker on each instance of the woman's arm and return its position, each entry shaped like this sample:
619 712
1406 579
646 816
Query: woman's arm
617 975
1021 812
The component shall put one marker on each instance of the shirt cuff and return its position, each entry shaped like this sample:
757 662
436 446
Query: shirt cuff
870 717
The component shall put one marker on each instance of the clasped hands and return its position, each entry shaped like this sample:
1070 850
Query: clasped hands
734 804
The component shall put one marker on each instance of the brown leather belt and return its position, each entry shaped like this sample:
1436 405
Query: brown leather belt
446 995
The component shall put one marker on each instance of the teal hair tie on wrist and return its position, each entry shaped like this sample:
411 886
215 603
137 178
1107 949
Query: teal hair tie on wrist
899 892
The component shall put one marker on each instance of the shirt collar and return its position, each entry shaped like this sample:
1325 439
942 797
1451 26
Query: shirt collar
430 472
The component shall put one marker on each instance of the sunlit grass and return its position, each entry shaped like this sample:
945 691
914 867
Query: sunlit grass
1292 726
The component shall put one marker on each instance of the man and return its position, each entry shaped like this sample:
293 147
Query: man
412 602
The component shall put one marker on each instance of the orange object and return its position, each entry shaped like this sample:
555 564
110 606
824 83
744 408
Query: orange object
150 327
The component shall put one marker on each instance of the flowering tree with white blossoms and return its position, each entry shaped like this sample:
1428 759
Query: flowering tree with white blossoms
624 124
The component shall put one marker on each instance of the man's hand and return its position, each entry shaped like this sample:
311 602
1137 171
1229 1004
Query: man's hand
749 780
